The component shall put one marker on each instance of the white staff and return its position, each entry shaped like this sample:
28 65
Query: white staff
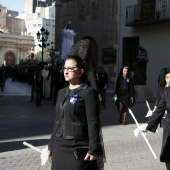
130 111
150 112
33 147
43 152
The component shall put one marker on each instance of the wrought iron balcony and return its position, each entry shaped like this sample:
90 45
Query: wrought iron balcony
148 13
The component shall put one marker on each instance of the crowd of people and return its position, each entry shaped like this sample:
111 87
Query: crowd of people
45 80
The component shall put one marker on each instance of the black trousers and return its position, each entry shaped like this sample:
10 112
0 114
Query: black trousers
103 97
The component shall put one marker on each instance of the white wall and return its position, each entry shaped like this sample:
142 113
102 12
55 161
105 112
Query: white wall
156 40
43 17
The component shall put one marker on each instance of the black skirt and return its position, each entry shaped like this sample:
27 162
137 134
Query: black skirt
64 159
165 151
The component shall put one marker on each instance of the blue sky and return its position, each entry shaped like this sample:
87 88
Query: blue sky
16 5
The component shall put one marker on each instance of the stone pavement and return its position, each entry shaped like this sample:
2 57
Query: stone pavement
21 121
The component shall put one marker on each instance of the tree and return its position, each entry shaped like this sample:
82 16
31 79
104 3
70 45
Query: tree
46 55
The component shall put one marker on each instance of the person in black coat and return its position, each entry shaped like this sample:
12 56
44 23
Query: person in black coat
102 83
77 122
161 85
155 119
124 93
54 76
38 87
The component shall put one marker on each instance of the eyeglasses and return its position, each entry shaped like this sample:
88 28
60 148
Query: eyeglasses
69 69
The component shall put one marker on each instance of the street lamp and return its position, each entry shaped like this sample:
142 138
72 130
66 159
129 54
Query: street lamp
42 36
54 54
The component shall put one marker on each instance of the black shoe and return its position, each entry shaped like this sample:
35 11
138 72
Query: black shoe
124 123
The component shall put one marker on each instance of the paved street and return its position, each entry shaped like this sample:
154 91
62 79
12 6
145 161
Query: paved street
21 120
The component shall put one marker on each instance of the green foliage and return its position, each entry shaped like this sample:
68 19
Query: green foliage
46 56
28 62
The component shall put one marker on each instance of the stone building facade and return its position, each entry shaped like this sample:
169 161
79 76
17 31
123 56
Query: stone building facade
14 45
16 26
95 20
13 48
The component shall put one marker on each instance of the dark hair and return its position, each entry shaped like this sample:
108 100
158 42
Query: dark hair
161 79
68 26
80 65
79 61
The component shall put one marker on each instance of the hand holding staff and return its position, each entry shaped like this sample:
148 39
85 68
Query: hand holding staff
146 140
150 112
44 153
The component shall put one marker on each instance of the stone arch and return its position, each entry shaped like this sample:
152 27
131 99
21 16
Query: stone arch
9 58
92 53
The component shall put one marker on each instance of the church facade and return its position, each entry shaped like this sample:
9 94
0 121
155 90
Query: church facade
14 48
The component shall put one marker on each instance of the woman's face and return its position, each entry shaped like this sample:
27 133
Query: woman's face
71 73
167 79
125 71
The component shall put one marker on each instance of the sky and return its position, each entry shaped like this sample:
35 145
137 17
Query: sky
16 5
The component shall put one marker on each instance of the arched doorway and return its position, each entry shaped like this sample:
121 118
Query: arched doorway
9 58
92 53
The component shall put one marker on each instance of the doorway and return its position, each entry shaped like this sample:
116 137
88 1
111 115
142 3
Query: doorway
130 50
9 58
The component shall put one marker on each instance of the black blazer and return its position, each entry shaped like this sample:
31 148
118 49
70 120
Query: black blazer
78 121
155 119
125 90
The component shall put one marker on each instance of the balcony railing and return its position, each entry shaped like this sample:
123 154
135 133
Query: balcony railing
152 12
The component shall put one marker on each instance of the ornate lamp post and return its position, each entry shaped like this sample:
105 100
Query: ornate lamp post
42 36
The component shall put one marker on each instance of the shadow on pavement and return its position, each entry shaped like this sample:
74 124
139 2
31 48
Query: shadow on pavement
19 118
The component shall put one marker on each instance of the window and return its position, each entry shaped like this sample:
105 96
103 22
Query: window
48 24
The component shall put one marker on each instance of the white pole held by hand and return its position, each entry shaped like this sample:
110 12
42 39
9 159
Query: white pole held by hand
33 147
130 111
148 105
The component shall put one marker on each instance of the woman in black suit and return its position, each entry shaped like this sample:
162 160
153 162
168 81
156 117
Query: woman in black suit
124 93
77 122
155 119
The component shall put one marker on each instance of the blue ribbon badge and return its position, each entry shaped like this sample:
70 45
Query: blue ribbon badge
127 80
73 98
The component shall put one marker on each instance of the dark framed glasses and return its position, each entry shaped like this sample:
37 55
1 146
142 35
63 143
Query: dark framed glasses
69 69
